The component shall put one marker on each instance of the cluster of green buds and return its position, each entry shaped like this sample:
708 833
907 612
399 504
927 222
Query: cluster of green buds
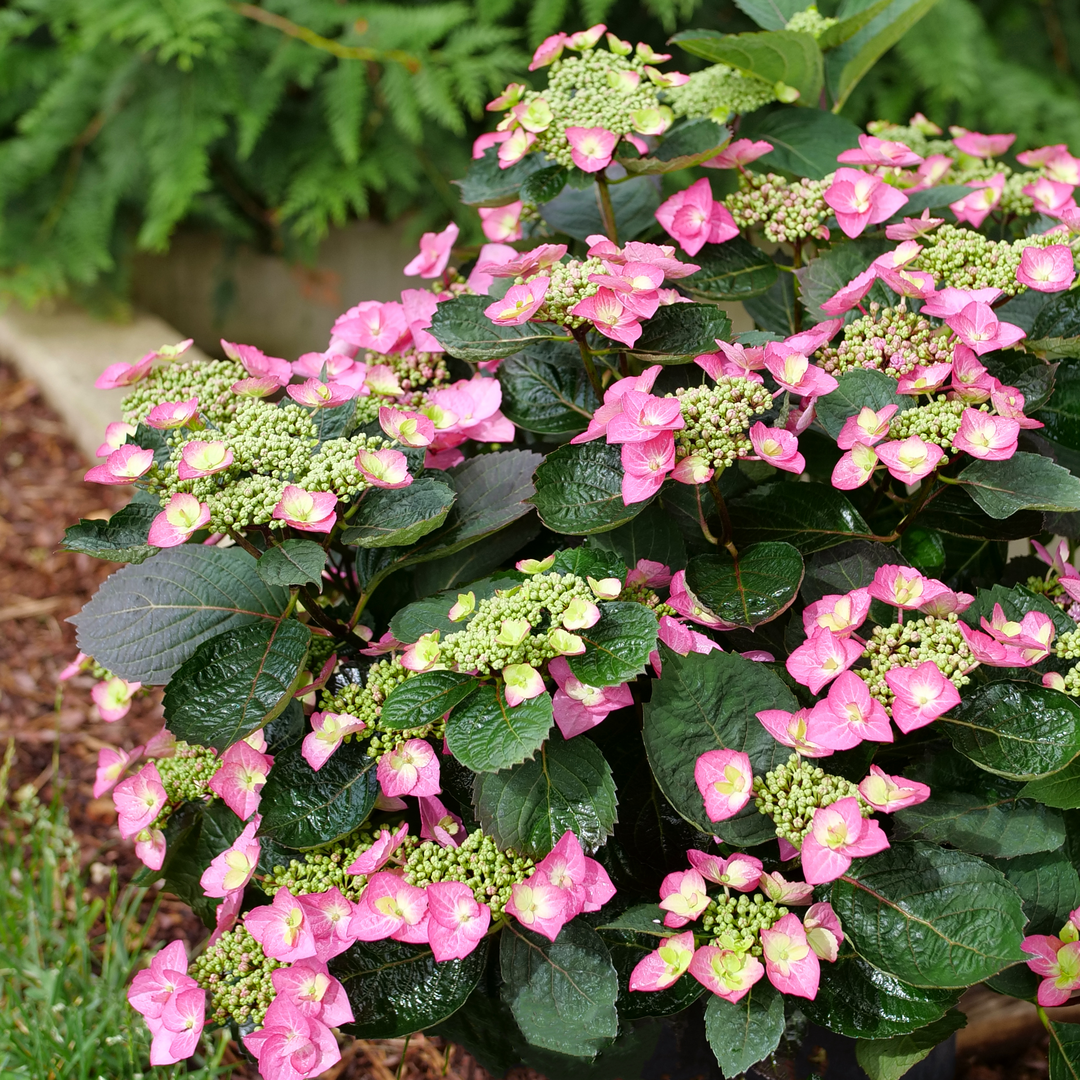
810 21
931 637
236 973
736 922
1067 645
964 259
324 868
186 775
479 863
718 92
936 422
568 285
210 382
790 793
786 211
718 418
887 339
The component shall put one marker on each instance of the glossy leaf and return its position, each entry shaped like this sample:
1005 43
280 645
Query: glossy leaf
562 993
1064 1051
1055 333
302 808
754 588
852 23
953 511
1061 413
463 329
568 785
1023 482
770 14
486 735
890 1059
545 389
775 310
810 517
823 277
627 949
146 620
122 538
679 332
617 648
579 489
1060 789
743 1033
733 270
804 143
236 682
424 698
294 562
485 184
844 568
930 916
682 147
651 535
577 213
387 517
543 185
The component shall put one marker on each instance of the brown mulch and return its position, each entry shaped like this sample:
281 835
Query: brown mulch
57 738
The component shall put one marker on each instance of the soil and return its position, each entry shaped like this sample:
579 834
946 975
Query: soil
58 735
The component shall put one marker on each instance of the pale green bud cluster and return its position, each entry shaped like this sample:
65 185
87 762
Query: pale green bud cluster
324 868
585 91
810 21
736 922
718 92
785 210
569 284
718 418
929 637
964 259
187 774
1072 682
415 371
887 339
540 600
334 469
478 863
210 382
1067 645
640 593
790 793
937 422
236 972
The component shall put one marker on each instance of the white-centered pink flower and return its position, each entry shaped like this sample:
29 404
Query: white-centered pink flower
291 1045
728 974
240 779
665 965
646 466
794 372
683 897
904 587
411 768
738 153
868 426
643 417
974 208
859 199
910 459
328 731
739 872
790 964
875 151
538 905
384 468
308 985
112 696
823 932
308 511
183 515
609 315
849 715
520 303
725 780
123 466
591 148
838 834
980 329
1048 269
891 793
112 763
502 223
172 414
921 694
855 467
988 437
457 923
234 867
777 447
979 145
800 730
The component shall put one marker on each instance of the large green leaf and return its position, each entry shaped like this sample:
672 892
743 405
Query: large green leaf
752 589
930 916
847 567
628 948
651 535
824 276
804 143
562 993
463 329
411 622
770 14
743 1033
146 620
424 698
302 808
683 147
387 517
294 562
579 489
710 703
576 212
846 65
120 539
858 1000
775 56
236 682
1021 731
486 735
485 184
851 22
1049 888
810 517
545 389
396 989
1023 482
1064 1052
1060 789
776 310
733 270
890 1059
543 185
618 646
1055 333
568 785
1061 413
953 511
679 332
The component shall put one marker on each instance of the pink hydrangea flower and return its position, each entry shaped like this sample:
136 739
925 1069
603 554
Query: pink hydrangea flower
821 658
200 458
841 613
282 928
859 199
922 694
740 872
122 466
290 1045
791 965
823 932
577 706
521 682
384 468
924 379
116 434
891 793
411 768
233 868
241 777
309 511
372 325
1059 964
112 763
183 516
502 223
990 438
979 145
329 915
683 897
850 715
950 301
694 218
538 905
904 587
643 417
328 730
548 51
851 294
980 329
740 152
150 848
1051 197
520 303
377 856
440 824
1048 269
1029 639
408 428
456 923
781 891
665 965
113 696
913 228
153 987
645 467
839 833
910 459
610 316
309 986
875 151
728 974
317 394
777 447
855 467
434 253
794 372
172 414
139 800
725 780
867 426
591 148
389 907
974 207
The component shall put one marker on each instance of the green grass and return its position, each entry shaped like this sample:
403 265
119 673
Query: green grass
64 1013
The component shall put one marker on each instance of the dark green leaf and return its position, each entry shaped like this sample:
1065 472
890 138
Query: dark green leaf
627 949
1064 1053
562 993
120 539
890 1059
485 184
1055 333
422 699
770 14
953 511
811 517
475 560
486 735
619 1057
568 785
1060 789
1049 888
854 390
543 185
302 808
932 917
294 562
236 682
776 56
743 1033
1061 413
1023 482
1034 378
589 562
579 489
396 989
577 213
827 274
733 270
847 27
651 535
410 623
334 423
682 147
679 332
710 703
618 646
935 198
804 143
1022 310
924 549
847 567
753 589
463 329
641 919
389 517
1021 731
146 620
545 389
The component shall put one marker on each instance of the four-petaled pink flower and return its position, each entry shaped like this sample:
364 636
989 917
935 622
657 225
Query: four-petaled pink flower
665 965
377 856
389 907
740 872
434 253
538 905
922 694
1048 269
725 780
728 974
411 768
976 206
241 777
910 459
282 928
838 834
502 223
577 707
855 467
122 466
384 468
329 914
645 467
291 1045
1058 962
233 868
309 986
609 315
800 730
683 897
875 151
891 793
183 515
859 199
591 148
849 715
740 152
980 329
139 800
112 763
777 447
328 730
520 303
694 218
823 656
979 145
904 587
867 426
200 458
408 428
794 372
172 414
643 417
791 965
112 696
842 613
317 394
991 438
456 922
309 511
522 682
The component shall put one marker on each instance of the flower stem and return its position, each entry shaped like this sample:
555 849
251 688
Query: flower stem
607 211
725 518
586 358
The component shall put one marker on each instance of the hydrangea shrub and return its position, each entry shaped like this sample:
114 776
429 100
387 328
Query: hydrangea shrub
542 660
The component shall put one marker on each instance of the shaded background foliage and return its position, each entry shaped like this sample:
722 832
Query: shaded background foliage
121 120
